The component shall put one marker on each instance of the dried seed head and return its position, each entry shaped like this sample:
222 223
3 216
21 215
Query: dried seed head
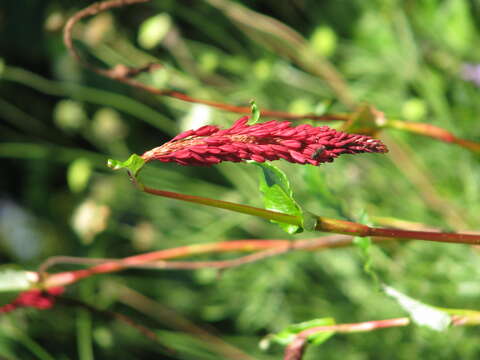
271 140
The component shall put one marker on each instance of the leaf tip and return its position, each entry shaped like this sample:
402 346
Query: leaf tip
255 112
133 164
113 164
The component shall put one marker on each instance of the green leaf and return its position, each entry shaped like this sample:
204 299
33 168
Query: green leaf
420 313
133 164
255 113
287 335
12 282
363 243
278 195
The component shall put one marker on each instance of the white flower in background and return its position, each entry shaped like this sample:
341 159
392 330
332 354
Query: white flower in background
89 219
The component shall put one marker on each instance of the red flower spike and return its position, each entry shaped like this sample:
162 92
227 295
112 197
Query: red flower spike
272 140
36 298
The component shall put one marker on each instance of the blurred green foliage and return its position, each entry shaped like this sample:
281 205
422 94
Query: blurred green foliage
59 124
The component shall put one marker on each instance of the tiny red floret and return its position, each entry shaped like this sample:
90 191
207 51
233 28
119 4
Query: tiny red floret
36 298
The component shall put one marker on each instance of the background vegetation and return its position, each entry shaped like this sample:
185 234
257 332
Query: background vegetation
60 122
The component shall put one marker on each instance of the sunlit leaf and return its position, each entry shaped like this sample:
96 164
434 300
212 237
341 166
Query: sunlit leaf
278 195
287 335
255 113
421 314
133 164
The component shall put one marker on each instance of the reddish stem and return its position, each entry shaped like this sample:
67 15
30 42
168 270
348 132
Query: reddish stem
262 249
356 229
434 132
124 74
70 277
323 223
296 349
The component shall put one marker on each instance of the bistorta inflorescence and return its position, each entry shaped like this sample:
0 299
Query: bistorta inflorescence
271 140
35 298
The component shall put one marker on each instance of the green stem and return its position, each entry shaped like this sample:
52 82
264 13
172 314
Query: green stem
244 209
323 224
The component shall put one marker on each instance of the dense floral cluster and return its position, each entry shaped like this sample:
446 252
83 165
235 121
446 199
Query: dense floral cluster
36 298
271 140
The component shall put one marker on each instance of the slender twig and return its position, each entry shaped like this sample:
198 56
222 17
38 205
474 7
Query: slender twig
357 229
296 349
156 259
244 209
324 224
124 74
434 132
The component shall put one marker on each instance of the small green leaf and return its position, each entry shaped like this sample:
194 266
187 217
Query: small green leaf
363 243
421 314
287 335
14 281
255 113
278 195
133 164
